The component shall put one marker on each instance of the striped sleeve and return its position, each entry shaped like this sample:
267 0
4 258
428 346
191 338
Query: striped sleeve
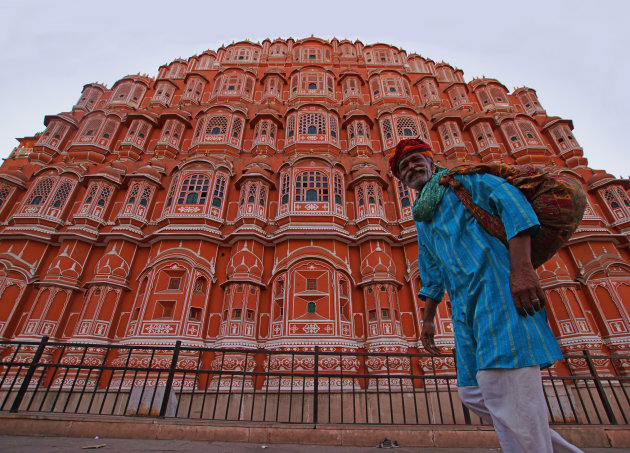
432 284
499 197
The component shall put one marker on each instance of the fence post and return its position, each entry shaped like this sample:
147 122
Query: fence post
600 388
316 386
169 380
29 375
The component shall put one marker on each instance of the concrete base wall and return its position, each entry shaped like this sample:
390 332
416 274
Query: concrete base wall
348 435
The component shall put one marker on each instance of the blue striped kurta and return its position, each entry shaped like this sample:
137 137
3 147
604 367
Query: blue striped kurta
459 256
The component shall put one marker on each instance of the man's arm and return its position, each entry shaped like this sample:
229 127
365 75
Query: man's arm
524 283
520 223
431 292
428 326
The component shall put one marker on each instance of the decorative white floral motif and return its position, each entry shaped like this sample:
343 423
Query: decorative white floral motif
311 207
100 328
158 329
193 329
84 328
189 209
311 328
47 328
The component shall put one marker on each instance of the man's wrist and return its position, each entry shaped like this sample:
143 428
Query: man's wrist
430 307
520 251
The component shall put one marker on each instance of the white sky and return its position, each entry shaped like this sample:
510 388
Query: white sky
573 53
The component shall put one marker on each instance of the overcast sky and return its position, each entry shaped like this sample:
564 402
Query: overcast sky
573 53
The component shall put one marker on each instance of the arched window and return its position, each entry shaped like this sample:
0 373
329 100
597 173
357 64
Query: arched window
251 196
121 93
370 199
347 50
311 195
429 92
499 96
138 133
48 197
61 195
312 123
528 131
172 133
96 200
484 97
5 191
177 71
205 62
193 90
450 134
284 194
512 134
310 307
458 96
371 195
338 189
333 126
133 193
387 129
53 135
194 190
273 86
375 87
618 202
265 133
88 99
623 196
530 101
98 131
350 87
406 127
387 133
217 125
237 126
403 195
278 50
291 128
138 198
484 137
41 191
311 186
163 93
219 191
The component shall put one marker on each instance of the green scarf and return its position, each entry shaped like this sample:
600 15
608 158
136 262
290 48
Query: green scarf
430 197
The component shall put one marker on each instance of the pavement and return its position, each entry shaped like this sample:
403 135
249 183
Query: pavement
22 444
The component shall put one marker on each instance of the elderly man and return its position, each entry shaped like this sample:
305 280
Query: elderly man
502 337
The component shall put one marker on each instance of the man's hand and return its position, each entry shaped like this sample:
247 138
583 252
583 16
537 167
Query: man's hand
427 337
428 327
526 291
524 283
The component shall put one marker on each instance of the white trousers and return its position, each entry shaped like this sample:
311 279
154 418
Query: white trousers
513 401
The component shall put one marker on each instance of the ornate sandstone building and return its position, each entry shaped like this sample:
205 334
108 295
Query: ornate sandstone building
241 198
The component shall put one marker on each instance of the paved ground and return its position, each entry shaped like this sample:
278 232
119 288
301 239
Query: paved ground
11 444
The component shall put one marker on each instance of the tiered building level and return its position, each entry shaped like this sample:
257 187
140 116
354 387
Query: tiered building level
242 198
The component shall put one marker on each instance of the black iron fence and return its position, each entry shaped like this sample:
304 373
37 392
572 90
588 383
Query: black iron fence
311 387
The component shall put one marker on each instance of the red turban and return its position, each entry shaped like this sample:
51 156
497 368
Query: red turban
405 147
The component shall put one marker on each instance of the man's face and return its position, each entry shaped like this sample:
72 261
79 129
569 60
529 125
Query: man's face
415 170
